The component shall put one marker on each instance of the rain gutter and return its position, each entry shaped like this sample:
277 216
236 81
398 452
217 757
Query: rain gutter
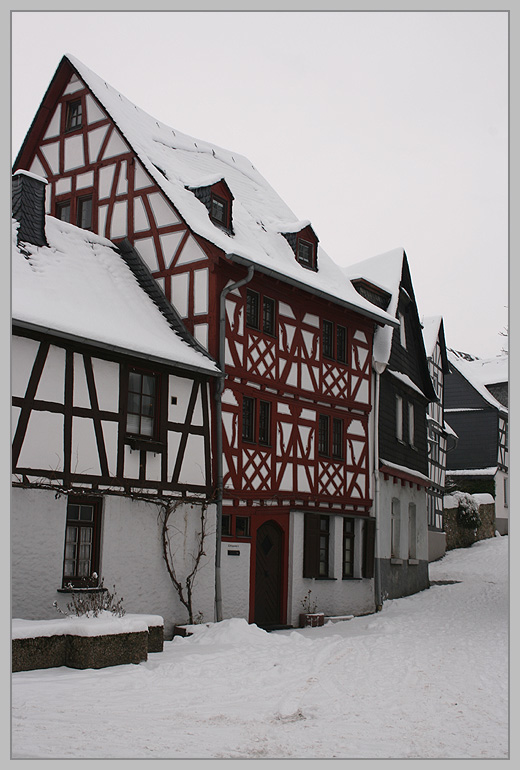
378 369
308 287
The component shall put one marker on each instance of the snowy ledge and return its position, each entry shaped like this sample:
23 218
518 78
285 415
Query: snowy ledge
103 625
85 642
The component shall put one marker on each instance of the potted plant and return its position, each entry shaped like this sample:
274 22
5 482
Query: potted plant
309 617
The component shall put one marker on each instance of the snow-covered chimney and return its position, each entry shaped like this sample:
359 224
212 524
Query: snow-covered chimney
28 201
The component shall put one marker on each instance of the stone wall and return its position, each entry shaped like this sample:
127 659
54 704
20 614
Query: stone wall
459 537
78 644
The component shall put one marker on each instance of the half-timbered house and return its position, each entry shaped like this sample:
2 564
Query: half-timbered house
402 391
293 337
111 423
476 407
438 431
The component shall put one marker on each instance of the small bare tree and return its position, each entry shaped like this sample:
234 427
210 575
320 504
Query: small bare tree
184 587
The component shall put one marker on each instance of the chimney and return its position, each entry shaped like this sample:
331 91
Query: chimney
28 202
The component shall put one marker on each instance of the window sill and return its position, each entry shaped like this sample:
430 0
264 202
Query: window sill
150 445
324 578
93 590
413 561
396 561
351 578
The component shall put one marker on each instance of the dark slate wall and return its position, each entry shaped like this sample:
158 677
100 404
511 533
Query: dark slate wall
403 579
500 391
459 394
478 439
400 452
412 362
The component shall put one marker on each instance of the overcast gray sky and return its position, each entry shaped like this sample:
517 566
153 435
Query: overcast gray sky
384 129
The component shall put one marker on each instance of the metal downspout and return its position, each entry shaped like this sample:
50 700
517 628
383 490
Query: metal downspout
218 432
379 368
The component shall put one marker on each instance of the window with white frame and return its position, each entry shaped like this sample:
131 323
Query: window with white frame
399 418
402 331
395 525
411 425
412 531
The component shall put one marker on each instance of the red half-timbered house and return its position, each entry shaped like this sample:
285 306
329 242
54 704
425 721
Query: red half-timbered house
255 288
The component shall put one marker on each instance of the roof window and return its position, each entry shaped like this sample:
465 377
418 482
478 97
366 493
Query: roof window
305 247
218 200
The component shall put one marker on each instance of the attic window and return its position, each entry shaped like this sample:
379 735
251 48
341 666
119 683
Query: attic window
305 254
304 244
219 211
63 211
74 115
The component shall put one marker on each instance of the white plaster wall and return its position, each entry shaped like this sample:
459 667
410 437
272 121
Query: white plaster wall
235 571
501 509
333 597
131 556
406 495
37 541
23 353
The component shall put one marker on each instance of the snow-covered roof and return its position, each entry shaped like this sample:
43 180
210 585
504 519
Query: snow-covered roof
79 285
176 162
481 372
431 326
385 272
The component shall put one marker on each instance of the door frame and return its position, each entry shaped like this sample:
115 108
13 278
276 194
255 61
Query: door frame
282 521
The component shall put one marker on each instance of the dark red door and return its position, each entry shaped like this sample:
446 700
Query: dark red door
268 575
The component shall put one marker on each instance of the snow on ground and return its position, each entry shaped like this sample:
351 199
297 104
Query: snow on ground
425 678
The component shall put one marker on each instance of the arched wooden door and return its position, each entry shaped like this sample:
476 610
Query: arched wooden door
268 575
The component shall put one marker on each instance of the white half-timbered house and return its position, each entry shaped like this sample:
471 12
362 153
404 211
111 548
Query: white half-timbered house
438 433
111 422
402 392
292 336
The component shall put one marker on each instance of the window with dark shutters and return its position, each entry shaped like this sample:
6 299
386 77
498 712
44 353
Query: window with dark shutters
311 541
316 546
369 541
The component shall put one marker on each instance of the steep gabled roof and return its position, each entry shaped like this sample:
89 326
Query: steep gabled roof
384 271
390 272
482 374
177 162
433 330
80 287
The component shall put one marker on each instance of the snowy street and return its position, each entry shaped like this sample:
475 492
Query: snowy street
425 678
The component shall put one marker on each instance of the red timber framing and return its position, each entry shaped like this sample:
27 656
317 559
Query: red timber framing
304 383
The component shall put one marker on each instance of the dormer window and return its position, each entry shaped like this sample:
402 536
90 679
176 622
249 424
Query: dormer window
73 118
305 247
218 200
306 253
219 211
